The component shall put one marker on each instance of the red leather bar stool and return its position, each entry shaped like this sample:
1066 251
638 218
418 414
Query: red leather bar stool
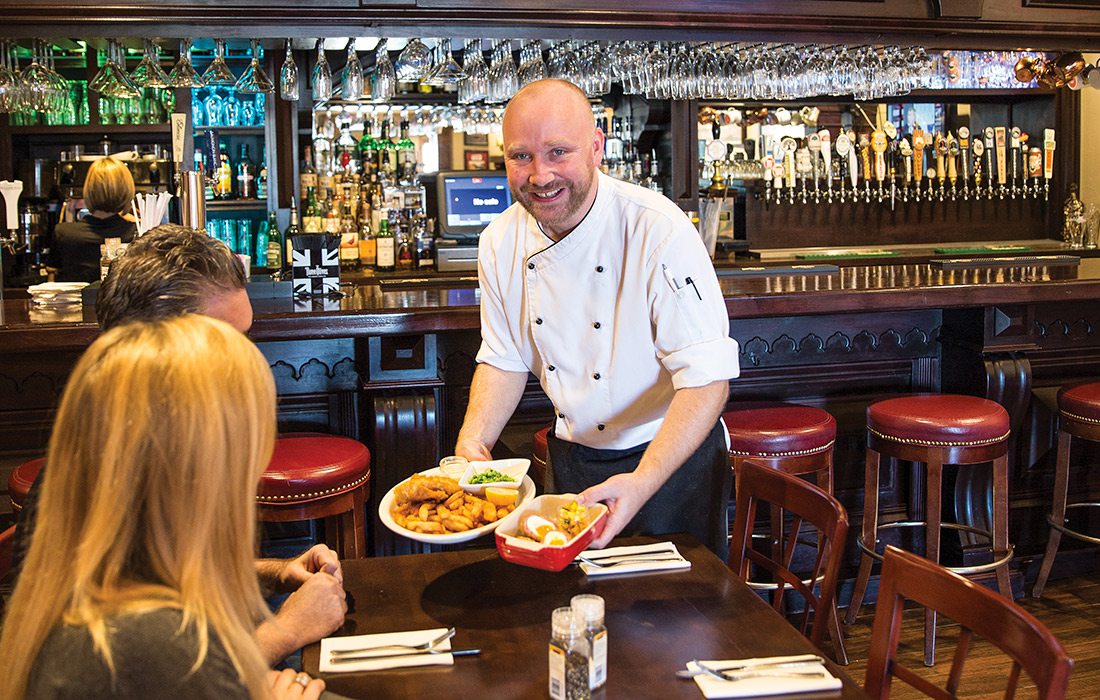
1079 409
540 457
790 438
936 429
20 480
314 476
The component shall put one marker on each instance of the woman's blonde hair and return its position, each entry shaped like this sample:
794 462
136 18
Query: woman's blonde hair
109 186
148 499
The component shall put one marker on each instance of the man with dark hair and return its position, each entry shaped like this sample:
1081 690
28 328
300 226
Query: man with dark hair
174 270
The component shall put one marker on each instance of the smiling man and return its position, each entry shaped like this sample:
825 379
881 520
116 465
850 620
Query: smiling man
604 291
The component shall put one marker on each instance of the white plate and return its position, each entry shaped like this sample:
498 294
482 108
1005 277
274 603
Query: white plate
515 468
526 493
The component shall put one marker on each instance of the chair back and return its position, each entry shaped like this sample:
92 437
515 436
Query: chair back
977 610
807 503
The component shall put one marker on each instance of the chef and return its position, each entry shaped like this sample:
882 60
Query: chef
603 290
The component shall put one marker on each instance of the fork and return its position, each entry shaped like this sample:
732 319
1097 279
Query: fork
768 672
628 559
423 646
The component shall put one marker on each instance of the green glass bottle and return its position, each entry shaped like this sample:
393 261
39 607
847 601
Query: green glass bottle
274 253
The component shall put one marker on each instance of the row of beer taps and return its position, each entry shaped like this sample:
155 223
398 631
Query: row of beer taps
883 165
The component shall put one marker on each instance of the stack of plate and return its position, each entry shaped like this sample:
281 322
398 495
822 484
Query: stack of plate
56 295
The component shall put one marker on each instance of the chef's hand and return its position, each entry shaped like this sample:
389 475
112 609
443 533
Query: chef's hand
624 495
319 557
473 450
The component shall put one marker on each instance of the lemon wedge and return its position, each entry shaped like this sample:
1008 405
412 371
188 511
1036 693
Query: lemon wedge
501 496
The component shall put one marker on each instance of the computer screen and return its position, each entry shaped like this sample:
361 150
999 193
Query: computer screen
469 200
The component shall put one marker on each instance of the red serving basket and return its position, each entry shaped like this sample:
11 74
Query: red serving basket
525 552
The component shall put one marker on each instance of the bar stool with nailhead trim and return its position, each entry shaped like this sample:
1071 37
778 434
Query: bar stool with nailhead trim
793 439
313 476
1079 409
936 429
20 480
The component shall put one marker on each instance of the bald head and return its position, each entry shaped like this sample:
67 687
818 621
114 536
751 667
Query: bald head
552 150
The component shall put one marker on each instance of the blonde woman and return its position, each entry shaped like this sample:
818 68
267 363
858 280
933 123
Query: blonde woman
108 192
139 581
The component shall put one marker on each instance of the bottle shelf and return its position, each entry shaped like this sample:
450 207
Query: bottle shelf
235 204
91 129
241 130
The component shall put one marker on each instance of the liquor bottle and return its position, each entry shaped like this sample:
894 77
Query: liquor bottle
208 187
346 160
406 252
223 177
368 149
425 245
246 175
274 254
386 248
613 145
331 224
292 231
368 246
258 251
307 175
349 240
406 155
261 179
311 217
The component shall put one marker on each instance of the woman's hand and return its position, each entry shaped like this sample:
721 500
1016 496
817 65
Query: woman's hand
289 684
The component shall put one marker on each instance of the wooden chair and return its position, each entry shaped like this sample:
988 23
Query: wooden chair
978 610
806 503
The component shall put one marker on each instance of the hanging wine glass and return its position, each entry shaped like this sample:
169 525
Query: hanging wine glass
322 75
353 74
289 88
218 73
184 75
148 73
384 81
531 66
476 84
254 79
446 70
414 61
8 80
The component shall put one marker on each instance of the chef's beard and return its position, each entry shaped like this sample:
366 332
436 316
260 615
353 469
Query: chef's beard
558 215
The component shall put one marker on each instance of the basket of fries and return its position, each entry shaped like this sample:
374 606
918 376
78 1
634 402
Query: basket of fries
432 508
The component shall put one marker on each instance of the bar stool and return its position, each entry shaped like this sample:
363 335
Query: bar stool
936 429
793 439
314 476
20 480
1079 408
540 456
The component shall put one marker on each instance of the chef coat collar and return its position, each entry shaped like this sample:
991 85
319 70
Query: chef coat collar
539 243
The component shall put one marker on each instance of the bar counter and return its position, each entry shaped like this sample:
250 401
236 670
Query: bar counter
391 362
440 303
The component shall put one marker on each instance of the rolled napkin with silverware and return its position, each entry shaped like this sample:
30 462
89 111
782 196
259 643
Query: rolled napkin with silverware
632 559
377 652
761 677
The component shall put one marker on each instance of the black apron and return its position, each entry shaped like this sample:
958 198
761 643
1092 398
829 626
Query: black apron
693 500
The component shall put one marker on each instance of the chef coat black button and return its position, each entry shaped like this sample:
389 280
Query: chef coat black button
551 368
530 266
599 268
596 375
600 426
596 325
561 415
538 321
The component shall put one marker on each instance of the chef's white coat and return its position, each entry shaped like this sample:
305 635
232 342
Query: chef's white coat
612 319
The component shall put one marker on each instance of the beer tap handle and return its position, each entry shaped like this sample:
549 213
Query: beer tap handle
964 151
813 143
1048 161
1002 164
1014 152
918 160
827 157
990 174
844 155
940 147
906 168
979 150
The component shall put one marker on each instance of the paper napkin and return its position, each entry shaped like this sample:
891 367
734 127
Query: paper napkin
368 641
666 558
763 686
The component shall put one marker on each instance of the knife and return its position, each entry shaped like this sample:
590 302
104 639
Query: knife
429 652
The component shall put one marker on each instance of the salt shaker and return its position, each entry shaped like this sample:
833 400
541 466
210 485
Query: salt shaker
569 657
589 608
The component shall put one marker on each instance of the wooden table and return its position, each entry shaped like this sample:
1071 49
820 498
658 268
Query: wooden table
656 623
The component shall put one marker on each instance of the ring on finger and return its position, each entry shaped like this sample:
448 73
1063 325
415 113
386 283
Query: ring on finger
302 679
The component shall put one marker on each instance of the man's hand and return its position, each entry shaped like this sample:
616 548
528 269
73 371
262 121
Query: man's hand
286 575
473 450
624 495
312 612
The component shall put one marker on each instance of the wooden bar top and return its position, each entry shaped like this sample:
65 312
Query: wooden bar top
656 623
432 304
